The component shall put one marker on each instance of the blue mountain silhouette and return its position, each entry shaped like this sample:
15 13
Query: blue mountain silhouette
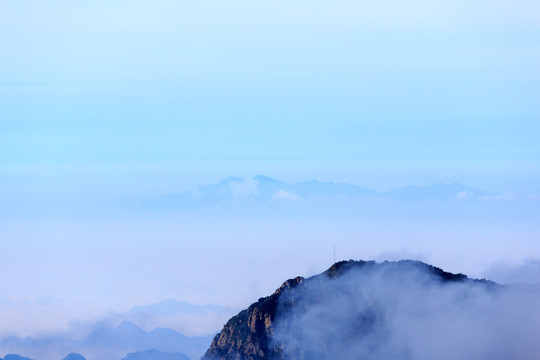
262 188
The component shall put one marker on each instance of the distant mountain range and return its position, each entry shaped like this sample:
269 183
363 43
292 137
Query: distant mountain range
170 313
103 341
112 343
141 355
263 188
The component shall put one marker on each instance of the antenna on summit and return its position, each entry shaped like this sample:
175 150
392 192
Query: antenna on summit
334 253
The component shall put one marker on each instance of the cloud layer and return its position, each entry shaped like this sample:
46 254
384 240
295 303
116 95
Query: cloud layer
406 313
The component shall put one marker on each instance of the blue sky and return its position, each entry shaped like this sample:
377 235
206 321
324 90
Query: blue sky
102 101
437 87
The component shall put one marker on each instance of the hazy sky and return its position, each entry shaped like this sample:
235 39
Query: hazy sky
426 88
103 101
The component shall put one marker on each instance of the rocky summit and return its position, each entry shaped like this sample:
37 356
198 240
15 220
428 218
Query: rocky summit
351 311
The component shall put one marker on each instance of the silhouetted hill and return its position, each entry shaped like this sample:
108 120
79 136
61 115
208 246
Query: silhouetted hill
15 357
155 355
74 356
126 333
128 336
392 310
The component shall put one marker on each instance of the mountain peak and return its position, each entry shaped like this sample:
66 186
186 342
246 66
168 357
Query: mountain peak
74 356
15 357
128 327
349 293
340 267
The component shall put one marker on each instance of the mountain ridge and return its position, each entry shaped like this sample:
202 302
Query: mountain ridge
262 188
116 341
251 334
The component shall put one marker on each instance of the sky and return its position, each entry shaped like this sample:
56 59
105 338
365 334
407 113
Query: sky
105 103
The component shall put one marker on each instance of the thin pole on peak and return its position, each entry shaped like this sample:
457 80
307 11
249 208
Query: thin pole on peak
334 253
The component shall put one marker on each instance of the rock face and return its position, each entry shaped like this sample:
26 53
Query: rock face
269 330
247 335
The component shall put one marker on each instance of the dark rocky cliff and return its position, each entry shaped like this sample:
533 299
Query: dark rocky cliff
250 334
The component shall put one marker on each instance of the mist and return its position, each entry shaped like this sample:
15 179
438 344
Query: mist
403 311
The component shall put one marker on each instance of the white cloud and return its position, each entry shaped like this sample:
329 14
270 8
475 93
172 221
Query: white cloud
464 195
244 189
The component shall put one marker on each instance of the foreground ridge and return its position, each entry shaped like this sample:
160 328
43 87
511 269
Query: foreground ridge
268 329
